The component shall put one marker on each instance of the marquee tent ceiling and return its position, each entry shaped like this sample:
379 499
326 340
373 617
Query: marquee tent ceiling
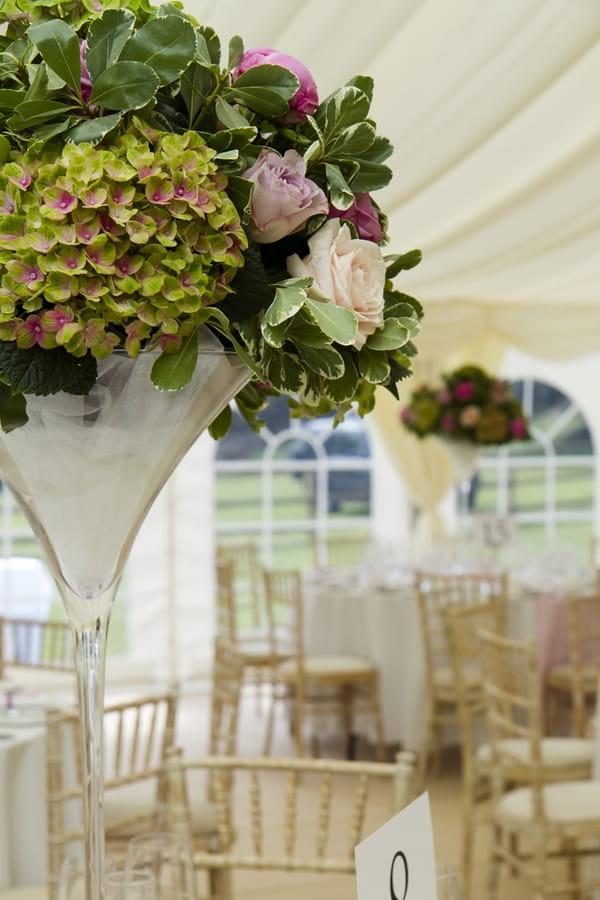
494 113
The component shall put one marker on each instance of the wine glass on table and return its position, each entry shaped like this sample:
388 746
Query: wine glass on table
168 858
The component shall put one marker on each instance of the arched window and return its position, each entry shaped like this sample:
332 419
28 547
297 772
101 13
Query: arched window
293 484
546 484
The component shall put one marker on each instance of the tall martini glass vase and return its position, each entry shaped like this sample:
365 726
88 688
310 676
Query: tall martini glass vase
86 470
463 456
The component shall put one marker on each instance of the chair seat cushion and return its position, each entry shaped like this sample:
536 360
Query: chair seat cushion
25 892
134 808
563 676
568 802
557 752
334 667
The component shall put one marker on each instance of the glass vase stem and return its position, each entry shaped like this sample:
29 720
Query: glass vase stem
90 666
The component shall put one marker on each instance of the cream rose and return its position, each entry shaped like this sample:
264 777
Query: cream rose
346 271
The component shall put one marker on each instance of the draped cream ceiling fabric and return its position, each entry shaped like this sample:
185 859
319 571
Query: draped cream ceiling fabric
493 109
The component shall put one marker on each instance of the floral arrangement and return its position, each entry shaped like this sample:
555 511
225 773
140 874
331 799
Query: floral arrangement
467 405
149 187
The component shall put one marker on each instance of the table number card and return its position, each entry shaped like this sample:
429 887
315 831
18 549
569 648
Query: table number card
397 862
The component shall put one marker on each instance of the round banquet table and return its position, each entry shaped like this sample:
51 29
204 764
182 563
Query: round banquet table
383 625
23 829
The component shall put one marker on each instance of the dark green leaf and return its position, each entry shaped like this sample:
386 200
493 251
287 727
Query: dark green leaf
9 98
106 38
197 82
173 371
13 412
59 46
34 112
265 89
94 129
402 261
396 303
167 45
228 115
252 290
126 85
4 149
345 107
45 372
371 177
219 426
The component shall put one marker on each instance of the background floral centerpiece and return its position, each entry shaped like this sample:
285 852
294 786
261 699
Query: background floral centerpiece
151 185
467 405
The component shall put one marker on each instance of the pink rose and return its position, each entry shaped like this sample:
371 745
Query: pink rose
283 197
305 100
346 271
470 416
518 429
363 215
463 390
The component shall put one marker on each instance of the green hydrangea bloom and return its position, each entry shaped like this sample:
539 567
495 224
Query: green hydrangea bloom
143 224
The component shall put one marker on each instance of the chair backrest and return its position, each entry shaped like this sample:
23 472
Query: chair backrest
284 604
436 591
137 735
513 690
290 814
463 623
64 793
227 678
246 583
35 644
583 630
225 625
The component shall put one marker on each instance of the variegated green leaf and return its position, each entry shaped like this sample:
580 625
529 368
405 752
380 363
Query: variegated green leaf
325 361
288 301
390 337
373 365
106 38
337 323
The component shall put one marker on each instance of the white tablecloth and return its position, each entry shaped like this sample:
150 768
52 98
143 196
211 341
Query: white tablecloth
23 829
383 625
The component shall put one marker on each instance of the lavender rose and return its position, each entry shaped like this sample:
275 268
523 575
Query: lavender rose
347 271
283 197
305 100
363 215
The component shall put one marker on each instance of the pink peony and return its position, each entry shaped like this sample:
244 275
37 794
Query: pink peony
305 100
463 390
363 215
283 197
518 428
346 271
